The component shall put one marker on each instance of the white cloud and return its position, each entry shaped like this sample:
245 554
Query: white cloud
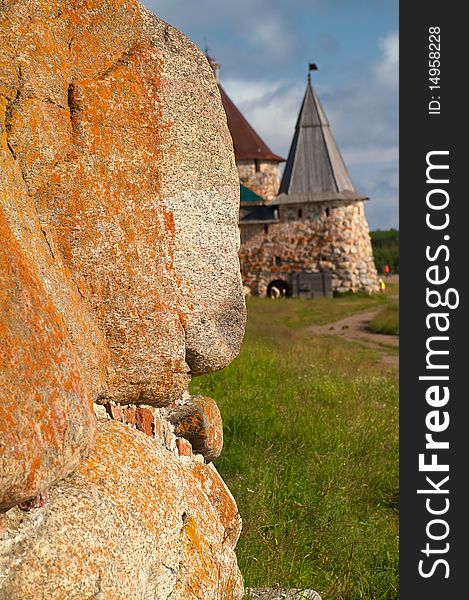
363 112
386 71
253 91
270 35
270 107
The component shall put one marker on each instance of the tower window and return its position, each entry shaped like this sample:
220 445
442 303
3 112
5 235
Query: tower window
278 260
258 165
328 212
266 229
300 213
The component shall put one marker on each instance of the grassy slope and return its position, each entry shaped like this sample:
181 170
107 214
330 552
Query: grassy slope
311 453
387 320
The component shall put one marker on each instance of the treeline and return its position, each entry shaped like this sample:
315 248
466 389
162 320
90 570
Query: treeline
386 249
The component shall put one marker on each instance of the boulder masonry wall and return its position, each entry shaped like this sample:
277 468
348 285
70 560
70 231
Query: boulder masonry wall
119 281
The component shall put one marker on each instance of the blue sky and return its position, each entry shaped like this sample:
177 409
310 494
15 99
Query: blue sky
264 47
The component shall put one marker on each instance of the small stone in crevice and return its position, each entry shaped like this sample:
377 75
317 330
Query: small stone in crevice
35 502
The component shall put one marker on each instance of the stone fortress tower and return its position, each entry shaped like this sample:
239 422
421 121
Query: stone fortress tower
312 237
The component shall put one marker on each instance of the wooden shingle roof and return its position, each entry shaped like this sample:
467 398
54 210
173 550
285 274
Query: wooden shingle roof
315 169
247 144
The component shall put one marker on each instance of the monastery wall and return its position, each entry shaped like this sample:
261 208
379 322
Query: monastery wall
310 237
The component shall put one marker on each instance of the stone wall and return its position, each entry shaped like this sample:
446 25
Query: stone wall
310 237
264 181
120 280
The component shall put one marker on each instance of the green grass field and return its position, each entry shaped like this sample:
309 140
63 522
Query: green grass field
311 452
387 320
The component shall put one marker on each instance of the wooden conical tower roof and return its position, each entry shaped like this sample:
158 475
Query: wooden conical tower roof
315 170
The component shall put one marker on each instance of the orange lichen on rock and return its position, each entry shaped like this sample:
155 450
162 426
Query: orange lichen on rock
110 120
109 226
221 499
46 418
184 447
133 521
198 419
82 128
120 279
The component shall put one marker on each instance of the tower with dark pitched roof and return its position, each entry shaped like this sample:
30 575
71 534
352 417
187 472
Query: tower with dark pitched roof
320 242
306 235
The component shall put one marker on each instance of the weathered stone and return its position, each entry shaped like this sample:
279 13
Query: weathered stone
46 418
199 184
198 419
221 499
168 437
118 180
130 414
260 176
158 429
35 502
115 411
184 447
144 420
133 521
118 183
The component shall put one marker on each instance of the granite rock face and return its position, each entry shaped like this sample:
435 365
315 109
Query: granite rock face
198 419
120 281
119 182
133 521
47 422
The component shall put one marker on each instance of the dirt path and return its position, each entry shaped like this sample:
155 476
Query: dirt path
356 328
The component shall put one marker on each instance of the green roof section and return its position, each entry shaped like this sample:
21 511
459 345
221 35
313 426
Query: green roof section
247 195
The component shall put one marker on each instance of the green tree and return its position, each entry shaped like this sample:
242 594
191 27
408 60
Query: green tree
386 249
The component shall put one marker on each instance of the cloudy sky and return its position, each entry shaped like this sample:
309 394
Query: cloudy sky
264 47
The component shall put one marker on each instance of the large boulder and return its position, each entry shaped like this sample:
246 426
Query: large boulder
118 179
47 423
134 521
121 281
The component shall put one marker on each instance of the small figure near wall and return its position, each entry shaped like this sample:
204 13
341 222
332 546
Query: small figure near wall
382 285
275 292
